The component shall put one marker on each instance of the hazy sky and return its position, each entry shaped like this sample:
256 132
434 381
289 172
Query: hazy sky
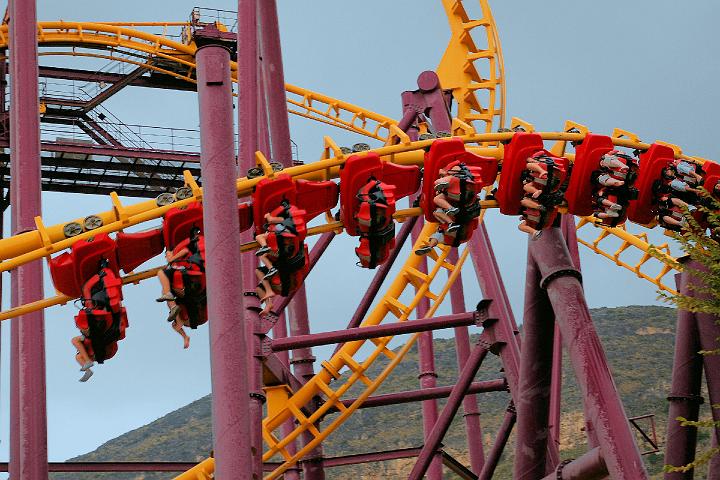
646 66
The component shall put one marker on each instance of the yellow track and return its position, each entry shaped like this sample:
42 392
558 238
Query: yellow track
459 70
120 42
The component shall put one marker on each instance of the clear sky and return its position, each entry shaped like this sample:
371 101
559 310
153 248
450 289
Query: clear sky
647 66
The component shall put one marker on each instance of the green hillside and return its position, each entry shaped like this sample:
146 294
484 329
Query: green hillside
637 340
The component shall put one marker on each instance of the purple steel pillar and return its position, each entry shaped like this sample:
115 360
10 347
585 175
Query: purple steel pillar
491 284
533 399
471 412
432 441
501 439
247 81
302 360
590 466
684 397
229 353
426 363
263 134
31 446
602 401
709 332
247 62
275 83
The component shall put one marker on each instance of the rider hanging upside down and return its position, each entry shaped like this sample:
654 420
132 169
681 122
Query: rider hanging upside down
456 196
185 257
446 212
281 228
102 320
613 186
542 180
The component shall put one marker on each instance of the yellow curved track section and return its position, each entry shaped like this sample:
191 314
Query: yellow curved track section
469 70
160 53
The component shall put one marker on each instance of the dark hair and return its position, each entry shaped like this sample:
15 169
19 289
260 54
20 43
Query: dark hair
194 231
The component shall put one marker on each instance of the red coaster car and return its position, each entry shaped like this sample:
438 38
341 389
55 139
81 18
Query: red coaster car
296 202
369 189
580 192
187 280
591 189
547 177
467 175
650 181
103 317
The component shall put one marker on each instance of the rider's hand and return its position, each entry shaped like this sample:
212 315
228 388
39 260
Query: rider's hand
168 255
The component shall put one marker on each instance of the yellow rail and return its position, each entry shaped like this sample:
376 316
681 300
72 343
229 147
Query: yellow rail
458 69
179 62
631 243
344 368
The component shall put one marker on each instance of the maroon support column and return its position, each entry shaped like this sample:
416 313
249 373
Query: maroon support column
247 48
229 354
709 332
427 375
432 441
471 412
302 360
247 79
684 398
275 83
602 401
491 284
501 439
31 447
533 400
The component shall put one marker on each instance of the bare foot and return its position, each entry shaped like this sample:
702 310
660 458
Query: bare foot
186 343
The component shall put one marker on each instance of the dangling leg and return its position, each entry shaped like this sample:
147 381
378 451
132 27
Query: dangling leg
178 327
83 359
165 284
261 239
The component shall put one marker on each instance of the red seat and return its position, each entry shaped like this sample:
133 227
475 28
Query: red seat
356 172
70 270
178 222
288 280
712 175
444 152
134 249
245 216
370 256
510 189
579 194
267 196
286 243
405 178
652 163
315 197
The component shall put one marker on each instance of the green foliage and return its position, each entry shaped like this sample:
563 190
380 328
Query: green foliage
703 295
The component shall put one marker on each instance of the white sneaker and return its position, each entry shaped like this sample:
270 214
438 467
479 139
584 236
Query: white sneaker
86 376
87 366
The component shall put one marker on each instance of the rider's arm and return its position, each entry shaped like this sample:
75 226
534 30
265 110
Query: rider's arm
171 257
270 219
